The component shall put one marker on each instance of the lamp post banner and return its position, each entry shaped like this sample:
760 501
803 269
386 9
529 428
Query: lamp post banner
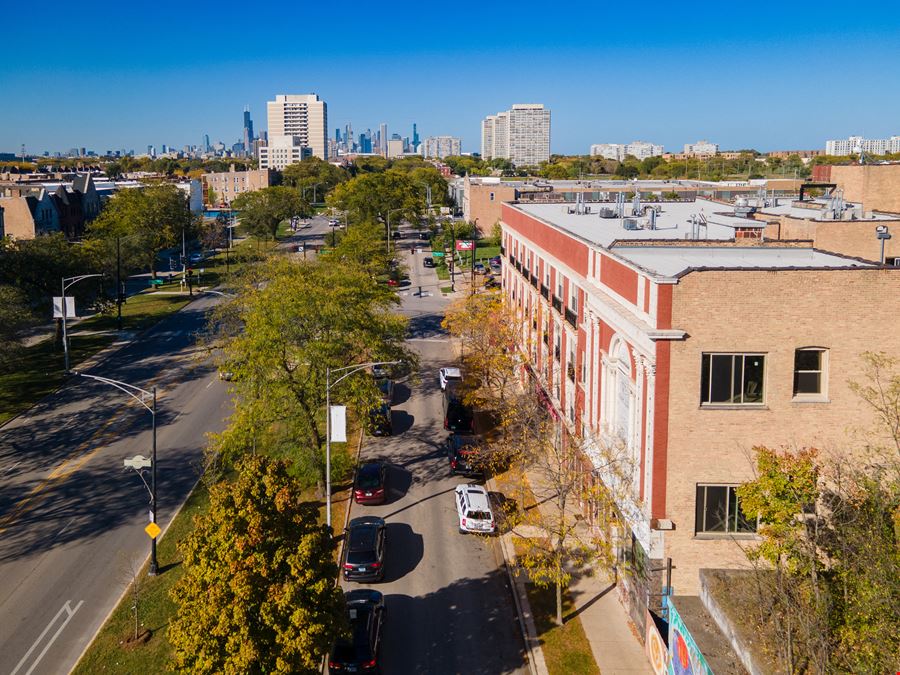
58 307
465 245
338 424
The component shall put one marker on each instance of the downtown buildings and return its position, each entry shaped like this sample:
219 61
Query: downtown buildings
298 128
520 134
670 338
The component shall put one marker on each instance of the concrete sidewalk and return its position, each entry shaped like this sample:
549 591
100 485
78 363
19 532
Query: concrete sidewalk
613 638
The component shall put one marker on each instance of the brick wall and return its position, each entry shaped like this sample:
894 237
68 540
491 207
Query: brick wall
845 311
849 237
483 209
877 186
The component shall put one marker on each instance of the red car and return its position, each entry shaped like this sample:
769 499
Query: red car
371 481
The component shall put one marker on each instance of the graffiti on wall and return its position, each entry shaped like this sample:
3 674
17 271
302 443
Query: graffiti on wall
685 657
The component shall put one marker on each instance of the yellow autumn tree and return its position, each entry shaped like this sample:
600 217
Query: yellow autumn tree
258 593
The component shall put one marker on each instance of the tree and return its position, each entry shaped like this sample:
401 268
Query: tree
379 197
311 172
362 245
263 210
258 592
291 321
153 218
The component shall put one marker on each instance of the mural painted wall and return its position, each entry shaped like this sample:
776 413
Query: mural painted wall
684 655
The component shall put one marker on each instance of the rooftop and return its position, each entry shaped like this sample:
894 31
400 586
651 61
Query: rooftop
675 260
820 209
673 220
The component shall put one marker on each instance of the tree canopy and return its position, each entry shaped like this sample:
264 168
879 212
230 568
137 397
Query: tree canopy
263 210
258 592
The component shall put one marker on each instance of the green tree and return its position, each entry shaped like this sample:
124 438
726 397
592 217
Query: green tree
151 218
392 194
258 593
263 210
314 172
290 322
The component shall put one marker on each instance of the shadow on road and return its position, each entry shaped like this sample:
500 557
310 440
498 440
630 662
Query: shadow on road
426 326
455 629
405 550
401 421
399 480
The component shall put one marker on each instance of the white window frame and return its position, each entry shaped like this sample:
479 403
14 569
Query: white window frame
822 394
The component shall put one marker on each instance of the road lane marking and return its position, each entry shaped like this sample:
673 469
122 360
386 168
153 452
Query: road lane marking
13 467
69 614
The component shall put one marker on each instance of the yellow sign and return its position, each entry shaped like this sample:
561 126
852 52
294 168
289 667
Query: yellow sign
153 530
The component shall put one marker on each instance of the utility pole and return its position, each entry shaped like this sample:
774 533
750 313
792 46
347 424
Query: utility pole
120 291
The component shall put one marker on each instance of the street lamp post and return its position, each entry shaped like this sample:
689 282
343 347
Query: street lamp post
328 385
66 283
139 395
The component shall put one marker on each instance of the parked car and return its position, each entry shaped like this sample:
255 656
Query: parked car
464 452
396 234
479 268
380 420
458 417
371 483
196 257
473 509
428 261
364 552
495 261
360 651
449 374
386 387
424 236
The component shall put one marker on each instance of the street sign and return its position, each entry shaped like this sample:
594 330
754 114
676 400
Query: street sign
437 254
152 530
465 245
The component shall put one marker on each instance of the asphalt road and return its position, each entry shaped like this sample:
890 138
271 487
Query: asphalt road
71 517
449 606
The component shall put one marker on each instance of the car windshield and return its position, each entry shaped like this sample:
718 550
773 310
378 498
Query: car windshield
368 478
479 515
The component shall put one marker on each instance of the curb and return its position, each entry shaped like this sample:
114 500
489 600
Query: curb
536 663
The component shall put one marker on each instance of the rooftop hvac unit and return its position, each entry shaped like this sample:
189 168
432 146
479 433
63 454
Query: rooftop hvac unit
606 212
630 224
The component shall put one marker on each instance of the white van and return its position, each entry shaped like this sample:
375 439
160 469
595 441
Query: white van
473 509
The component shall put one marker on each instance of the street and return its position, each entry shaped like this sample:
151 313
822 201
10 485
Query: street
71 517
449 607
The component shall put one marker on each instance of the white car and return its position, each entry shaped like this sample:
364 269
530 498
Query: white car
473 509
449 375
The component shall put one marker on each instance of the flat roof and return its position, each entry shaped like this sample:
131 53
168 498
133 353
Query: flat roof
782 206
673 221
674 260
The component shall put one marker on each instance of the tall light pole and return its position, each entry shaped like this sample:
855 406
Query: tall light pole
328 385
66 283
141 396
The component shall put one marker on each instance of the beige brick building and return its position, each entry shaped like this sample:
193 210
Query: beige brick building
876 186
675 332
229 184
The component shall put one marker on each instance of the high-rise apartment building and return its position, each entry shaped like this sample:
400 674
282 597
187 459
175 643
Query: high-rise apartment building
281 151
438 147
701 149
856 144
520 134
619 151
302 116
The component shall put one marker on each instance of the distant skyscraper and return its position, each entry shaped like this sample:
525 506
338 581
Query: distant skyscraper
520 134
415 138
382 138
441 146
248 129
337 134
302 115
206 143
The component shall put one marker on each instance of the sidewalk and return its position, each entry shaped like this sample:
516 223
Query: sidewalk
612 636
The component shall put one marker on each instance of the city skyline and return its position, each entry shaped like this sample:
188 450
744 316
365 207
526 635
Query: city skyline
177 97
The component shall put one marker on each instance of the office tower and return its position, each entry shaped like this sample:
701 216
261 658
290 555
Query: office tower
382 139
438 147
206 143
365 142
337 134
415 137
520 134
151 150
248 129
395 146
302 115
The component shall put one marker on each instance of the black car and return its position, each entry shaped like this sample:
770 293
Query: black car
458 417
371 480
424 236
364 551
464 452
386 387
380 420
359 652
428 262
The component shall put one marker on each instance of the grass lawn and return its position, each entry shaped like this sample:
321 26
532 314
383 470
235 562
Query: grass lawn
566 648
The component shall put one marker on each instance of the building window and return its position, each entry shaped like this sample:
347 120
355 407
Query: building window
492 196
732 379
718 511
809 372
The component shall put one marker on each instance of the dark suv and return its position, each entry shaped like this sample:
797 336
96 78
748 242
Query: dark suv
359 652
458 417
465 455
364 551
380 420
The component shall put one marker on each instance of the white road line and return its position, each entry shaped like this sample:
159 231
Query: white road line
69 614
211 382
13 466
66 526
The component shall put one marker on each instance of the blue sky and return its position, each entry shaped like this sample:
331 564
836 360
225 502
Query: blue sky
112 75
